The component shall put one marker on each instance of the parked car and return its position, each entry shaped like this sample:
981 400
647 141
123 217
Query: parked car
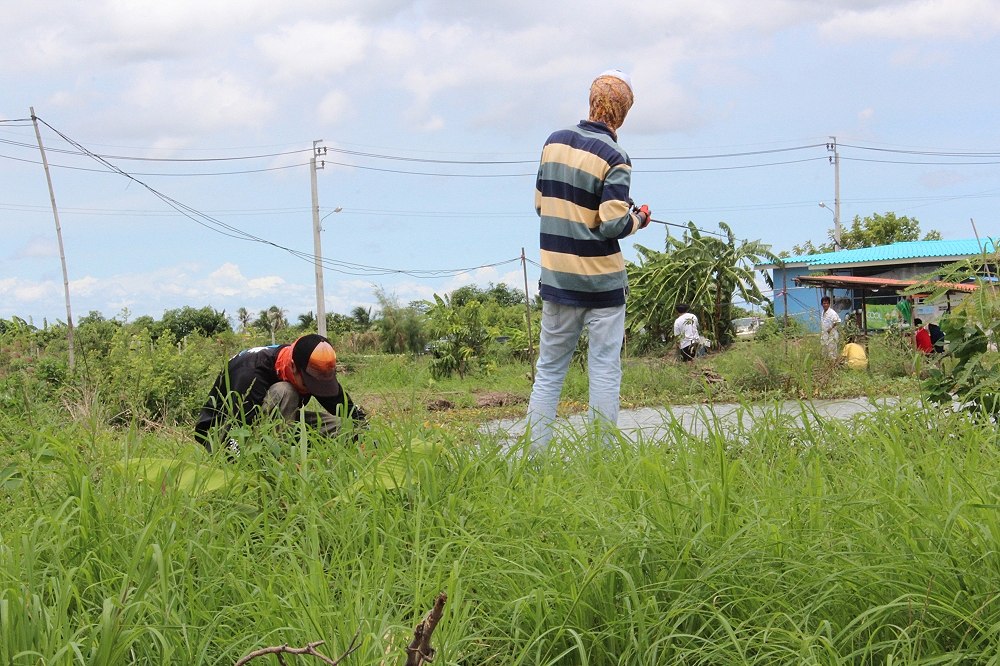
746 327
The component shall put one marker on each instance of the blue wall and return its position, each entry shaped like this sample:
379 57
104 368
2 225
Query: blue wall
803 302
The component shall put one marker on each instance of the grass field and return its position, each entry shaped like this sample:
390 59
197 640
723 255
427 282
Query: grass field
870 542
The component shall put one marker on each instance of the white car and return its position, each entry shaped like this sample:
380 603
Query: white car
746 327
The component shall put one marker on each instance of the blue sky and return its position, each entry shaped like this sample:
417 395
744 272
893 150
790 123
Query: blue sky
733 110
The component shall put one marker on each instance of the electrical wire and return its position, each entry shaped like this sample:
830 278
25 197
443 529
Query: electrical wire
734 167
923 162
165 175
230 231
932 153
22 144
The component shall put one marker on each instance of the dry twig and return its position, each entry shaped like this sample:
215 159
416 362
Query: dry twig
419 651
309 649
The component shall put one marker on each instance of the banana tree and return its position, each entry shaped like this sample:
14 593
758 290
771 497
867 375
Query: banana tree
705 271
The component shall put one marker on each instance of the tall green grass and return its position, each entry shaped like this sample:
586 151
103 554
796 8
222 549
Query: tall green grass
772 541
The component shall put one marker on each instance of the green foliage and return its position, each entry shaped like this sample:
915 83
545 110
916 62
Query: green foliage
156 380
401 327
184 321
871 231
462 337
501 294
702 270
779 327
362 318
969 372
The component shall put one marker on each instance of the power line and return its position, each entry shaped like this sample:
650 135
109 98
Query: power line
230 231
738 166
933 153
167 175
161 159
922 162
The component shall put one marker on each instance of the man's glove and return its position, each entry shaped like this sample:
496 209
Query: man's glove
644 216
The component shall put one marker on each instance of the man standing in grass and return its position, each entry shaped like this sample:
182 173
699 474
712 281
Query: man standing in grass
279 379
829 331
582 198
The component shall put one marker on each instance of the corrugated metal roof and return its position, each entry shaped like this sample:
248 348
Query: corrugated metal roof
876 283
897 252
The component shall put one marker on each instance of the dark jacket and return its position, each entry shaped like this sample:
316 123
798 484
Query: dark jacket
239 392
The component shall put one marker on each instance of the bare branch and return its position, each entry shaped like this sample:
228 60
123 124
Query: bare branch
419 651
309 649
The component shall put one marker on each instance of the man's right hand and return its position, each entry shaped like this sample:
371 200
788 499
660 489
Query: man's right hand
644 216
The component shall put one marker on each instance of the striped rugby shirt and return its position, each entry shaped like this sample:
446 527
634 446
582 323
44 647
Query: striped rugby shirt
582 199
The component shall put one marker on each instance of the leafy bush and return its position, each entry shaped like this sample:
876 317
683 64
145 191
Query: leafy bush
968 373
776 327
462 337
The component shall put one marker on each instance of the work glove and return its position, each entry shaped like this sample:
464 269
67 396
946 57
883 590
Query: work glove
644 216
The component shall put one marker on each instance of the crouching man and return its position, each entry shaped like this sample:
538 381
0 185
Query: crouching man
278 379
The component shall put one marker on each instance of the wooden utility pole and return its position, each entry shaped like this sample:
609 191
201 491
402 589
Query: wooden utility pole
62 253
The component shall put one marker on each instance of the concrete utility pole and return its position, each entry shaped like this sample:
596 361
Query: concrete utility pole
835 161
317 244
62 253
527 307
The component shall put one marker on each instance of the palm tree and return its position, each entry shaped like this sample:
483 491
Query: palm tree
362 317
273 319
307 321
243 316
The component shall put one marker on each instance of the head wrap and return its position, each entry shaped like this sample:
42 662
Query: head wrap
611 98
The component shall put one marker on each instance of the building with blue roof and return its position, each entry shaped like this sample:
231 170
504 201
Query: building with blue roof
866 281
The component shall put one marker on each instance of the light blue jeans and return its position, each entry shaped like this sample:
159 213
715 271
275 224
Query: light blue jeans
561 329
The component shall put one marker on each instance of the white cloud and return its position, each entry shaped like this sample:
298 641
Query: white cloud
334 106
214 100
228 280
309 51
23 291
38 247
918 20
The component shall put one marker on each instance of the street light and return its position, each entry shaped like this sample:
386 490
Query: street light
836 225
335 210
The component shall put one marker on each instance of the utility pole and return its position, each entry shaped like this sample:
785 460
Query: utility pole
835 161
62 253
317 244
527 307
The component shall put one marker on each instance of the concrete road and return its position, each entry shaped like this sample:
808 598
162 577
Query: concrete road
698 420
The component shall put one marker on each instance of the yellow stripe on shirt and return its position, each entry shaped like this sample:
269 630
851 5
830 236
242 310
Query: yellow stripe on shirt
577 265
569 211
582 160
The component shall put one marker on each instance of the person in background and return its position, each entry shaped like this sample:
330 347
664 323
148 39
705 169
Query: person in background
854 355
829 329
582 200
937 337
922 337
281 379
686 332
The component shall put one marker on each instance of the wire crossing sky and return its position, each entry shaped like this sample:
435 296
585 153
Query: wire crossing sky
179 137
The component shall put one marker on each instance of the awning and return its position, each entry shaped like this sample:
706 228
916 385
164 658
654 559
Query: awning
887 285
